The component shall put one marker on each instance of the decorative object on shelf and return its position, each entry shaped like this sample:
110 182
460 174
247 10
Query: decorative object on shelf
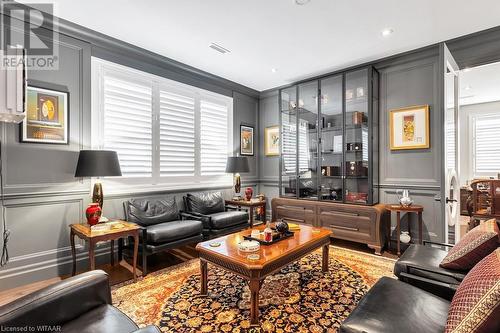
246 140
357 197
46 119
93 213
404 198
248 193
261 197
272 141
349 94
405 237
358 118
98 163
409 128
248 246
281 227
237 165
355 146
356 169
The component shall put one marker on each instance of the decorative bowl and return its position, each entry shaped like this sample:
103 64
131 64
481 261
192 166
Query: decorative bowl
248 246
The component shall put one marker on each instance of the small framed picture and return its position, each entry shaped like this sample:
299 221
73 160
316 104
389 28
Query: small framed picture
46 116
272 141
246 140
409 128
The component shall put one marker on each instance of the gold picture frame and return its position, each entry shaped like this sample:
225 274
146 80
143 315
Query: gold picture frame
409 128
272 141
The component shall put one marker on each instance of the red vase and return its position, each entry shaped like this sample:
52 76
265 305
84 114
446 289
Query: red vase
93 213
248 193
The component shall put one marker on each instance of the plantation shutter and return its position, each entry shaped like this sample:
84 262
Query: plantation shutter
177 135
486 146
213 138
128 124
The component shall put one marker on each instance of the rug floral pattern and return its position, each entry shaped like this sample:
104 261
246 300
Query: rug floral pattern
300 298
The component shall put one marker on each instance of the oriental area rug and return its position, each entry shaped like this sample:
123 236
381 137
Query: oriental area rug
299 298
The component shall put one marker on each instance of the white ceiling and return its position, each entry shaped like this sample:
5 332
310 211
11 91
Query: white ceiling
299 41
480 84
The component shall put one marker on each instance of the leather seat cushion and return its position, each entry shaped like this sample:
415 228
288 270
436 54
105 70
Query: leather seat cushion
104 318
205 203
227 219
150 211
174 230
394 306
422 260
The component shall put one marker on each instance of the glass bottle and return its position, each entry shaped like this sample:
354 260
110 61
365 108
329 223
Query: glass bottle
268 232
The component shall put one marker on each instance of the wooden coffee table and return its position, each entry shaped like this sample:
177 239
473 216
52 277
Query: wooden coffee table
271 258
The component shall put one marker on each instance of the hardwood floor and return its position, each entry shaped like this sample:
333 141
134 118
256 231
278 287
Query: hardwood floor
122 271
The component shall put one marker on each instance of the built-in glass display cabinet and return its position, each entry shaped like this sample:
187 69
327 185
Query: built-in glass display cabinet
329 138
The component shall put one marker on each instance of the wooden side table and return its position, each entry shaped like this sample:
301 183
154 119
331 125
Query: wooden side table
410 209
84 232
251 205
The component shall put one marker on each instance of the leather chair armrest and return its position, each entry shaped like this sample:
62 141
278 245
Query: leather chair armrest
205 219
229 207
148 329
441 289
437 243
60 302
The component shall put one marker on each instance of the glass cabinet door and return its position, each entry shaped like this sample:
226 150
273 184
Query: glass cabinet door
356 137
288 117
307 134
331 124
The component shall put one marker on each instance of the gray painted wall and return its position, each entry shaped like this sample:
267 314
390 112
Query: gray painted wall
42 195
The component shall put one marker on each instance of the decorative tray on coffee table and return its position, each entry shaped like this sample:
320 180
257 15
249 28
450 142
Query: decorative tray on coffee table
276 237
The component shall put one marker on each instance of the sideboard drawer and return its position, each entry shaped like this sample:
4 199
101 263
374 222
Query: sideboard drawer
347 224
296 214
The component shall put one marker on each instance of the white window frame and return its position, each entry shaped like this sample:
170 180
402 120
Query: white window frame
472 143
117 185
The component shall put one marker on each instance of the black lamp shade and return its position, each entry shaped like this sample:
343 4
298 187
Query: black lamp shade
237 164
98 163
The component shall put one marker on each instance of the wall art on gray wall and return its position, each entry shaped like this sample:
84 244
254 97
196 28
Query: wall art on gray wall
246 140
46 116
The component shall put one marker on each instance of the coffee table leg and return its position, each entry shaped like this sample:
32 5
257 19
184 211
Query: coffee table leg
254 285
324 265
204 277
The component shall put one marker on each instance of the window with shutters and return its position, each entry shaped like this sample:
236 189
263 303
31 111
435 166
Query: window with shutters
486 150
165 132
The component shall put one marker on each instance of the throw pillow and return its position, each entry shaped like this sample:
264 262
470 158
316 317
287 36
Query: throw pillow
474 246
475 307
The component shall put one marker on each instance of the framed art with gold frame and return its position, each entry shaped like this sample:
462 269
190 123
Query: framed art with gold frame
409 128
272 141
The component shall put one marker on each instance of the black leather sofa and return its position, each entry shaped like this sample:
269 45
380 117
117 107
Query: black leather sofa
80 304
419 265
393 306
217 218
163 226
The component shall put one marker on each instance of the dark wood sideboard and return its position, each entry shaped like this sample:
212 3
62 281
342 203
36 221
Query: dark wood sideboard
363 224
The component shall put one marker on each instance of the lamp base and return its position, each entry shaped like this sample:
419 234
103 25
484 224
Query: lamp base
97 194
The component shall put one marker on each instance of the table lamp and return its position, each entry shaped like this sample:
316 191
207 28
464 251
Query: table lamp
98 163
235 165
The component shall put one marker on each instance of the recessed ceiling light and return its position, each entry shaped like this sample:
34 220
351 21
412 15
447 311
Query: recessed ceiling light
387 32
301 2
274 70
218 48
467 87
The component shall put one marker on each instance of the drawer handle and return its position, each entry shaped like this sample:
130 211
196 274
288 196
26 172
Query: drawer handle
286 219
293 207
339 213
343 228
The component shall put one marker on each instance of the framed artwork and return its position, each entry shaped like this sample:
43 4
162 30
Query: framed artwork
272 141
409 128
46 116
246 140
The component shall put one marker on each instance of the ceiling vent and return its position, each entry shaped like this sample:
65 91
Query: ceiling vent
219 48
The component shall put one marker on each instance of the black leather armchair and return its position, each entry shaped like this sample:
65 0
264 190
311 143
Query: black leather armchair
163 226
393 306
419 265
217 218
78 304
